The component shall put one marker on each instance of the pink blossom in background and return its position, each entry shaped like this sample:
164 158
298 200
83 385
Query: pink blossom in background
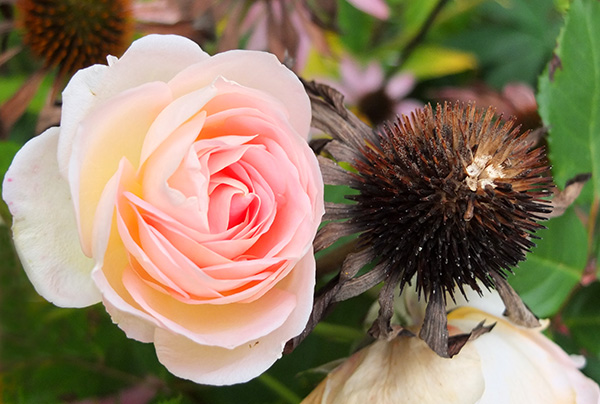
377 8
180 191
158 11
367 89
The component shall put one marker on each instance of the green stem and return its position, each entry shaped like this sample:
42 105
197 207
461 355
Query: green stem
338 332
282 390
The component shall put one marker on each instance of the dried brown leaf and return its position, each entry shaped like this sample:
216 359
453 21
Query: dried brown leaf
565 198
13 108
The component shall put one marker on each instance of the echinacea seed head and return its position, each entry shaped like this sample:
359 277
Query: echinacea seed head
73 34
449 196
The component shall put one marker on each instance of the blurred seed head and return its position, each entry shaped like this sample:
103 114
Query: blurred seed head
73 34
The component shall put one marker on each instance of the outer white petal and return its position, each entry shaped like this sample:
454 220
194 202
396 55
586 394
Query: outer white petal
489 302
521 365
79 97
44 226
221 366
136 324
259 70
151 58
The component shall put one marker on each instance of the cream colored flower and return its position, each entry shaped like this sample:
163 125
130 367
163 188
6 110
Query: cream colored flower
509 364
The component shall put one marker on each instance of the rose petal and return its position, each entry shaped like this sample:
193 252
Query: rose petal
174 116
161 165
220 366
215 325
403 370
112 132
151 58
80 95
44 226
135 323
256 70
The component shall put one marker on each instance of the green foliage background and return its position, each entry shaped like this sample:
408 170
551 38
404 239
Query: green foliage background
54 355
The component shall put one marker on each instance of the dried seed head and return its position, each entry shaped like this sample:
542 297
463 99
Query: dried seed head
451 197
73 34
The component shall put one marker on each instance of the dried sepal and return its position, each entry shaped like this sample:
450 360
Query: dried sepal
516 310
561 200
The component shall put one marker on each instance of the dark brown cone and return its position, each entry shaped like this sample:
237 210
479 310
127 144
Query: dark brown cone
448 198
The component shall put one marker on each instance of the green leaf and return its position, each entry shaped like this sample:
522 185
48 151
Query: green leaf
569 98
414 15
513 39
356 27
582 317
432 61
554 267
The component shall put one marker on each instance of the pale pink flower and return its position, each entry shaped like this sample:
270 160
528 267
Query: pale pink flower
377 8
367 89
180 191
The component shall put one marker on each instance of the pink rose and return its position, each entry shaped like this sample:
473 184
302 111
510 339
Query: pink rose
180 191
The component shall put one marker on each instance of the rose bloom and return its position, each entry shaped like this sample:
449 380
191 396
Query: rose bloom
180 191
509 364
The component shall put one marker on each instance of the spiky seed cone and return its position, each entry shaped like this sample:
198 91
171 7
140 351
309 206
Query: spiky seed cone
450 196
73 34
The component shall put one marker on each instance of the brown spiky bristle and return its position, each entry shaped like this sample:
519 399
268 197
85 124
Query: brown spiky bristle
73 34
449 196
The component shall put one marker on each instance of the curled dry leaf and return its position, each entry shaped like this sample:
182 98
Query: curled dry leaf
565 198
